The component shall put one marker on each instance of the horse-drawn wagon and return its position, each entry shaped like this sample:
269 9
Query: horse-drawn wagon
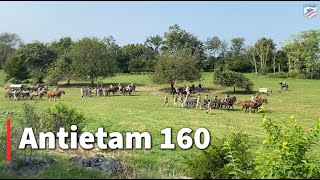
17 91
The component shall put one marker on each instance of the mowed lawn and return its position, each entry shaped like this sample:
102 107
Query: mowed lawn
143 112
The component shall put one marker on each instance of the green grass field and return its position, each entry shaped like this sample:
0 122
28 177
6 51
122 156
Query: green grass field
144 112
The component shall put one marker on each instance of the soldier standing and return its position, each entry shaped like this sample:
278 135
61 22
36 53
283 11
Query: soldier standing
186 101
198 102
187 90
209 107
175 100
181 101
81 90
166 100
206 100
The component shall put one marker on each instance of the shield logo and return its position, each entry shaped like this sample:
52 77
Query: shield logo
310 11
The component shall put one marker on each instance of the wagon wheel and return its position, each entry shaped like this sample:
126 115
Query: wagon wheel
7 95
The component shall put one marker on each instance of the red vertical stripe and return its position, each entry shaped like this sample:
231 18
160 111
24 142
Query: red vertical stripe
8 141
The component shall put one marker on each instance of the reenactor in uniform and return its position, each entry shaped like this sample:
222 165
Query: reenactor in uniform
205 102
166 100
198 102
227 98
181 101
209 107
175 100
215 101
254 98
15 97
187 90
81 90
186 101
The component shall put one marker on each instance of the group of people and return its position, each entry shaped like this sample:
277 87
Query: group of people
185 101
100 90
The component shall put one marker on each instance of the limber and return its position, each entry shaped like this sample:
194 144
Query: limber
86 140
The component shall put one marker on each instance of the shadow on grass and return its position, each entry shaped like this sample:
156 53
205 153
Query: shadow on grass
88 84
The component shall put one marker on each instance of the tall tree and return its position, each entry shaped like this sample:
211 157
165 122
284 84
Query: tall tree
250 55
62 46
8 45
91 60
237 46
155 42
38 57
178 66
179 39
215 46
264 48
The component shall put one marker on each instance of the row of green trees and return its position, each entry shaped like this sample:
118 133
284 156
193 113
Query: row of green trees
93 58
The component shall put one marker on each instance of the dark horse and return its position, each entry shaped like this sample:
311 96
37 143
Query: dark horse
284 86
227 103
180 90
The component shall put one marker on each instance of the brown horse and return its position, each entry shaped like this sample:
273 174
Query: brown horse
55 94
112 90
252 105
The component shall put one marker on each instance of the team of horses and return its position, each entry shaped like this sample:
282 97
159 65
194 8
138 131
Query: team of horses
51 94
106 91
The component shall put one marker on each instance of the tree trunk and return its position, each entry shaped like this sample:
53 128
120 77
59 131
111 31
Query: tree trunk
289 61
279 69
68 81
91 82
256 68
234 89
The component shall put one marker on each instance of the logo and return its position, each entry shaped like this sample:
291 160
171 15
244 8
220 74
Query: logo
310 11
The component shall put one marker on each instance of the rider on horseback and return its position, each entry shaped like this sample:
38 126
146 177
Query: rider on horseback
226 99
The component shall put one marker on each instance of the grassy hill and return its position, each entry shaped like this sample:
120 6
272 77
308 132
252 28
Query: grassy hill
143 111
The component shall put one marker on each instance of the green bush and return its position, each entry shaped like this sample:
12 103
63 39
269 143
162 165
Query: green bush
227 157
278 75
302 76
293 74
231 78
27 81
284 152
14 81
62 115
264 71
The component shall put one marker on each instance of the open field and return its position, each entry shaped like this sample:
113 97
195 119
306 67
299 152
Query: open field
143 111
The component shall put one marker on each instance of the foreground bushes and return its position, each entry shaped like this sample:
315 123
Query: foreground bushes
284 154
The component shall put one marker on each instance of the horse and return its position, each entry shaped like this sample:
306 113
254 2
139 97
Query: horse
227 103
284 86
125 89
85 92
252 105
37 94
55 94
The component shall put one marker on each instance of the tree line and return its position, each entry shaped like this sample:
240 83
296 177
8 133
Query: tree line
178 54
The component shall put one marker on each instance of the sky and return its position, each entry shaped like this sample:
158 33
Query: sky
134 21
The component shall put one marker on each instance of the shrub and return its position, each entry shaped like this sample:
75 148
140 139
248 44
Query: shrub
284 152
278 75
231 78
264 71
62 115
14 81
293 74
27 81
227 157
302 76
